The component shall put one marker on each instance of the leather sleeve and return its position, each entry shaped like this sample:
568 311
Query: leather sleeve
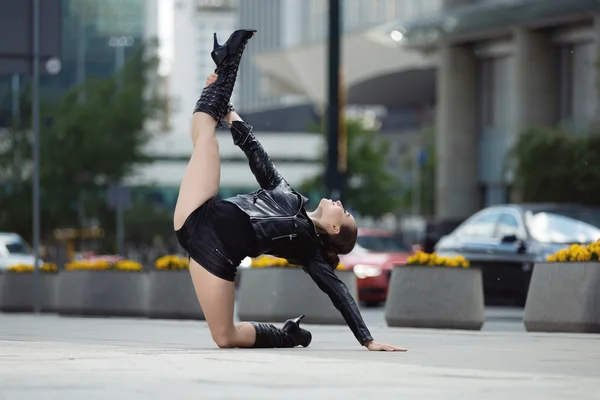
259 161
328 282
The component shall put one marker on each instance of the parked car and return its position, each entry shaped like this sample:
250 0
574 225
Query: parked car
506 241
14 251
376 253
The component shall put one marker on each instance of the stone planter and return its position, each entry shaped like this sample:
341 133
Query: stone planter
435 297
105 293
277 294
171 294
16 292
564 297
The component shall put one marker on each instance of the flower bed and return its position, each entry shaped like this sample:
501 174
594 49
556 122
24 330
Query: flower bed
433 260
171 292
273 290
103 288
564 293
17 292
435 292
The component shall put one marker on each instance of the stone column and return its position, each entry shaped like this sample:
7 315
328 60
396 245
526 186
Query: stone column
536 80
536 86
456 133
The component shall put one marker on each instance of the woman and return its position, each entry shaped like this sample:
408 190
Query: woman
218 234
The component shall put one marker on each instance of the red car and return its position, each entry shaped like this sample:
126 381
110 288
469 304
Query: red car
372 259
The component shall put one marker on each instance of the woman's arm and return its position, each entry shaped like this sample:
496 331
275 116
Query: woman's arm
326 279
260 163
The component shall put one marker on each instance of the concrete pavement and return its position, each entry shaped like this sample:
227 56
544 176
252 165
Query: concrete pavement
47 357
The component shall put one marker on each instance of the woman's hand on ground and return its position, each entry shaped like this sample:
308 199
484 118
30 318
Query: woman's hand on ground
374 346
212 78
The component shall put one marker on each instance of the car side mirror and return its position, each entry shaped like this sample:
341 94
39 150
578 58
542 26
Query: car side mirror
517 241
510 239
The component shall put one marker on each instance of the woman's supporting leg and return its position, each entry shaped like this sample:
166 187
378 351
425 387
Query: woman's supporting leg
217 298
201 179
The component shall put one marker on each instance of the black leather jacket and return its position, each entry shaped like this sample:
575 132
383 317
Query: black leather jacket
283 229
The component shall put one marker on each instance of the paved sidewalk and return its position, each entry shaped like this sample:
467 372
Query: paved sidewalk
49 357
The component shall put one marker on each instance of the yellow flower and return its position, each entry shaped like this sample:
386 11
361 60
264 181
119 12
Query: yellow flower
172 262
452 263
266 261
24 268
583 255
432 259
49 267
128 265
21 268
102 265
422 258
551 258
562 255
412 260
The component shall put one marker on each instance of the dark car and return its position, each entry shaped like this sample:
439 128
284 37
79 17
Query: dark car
506 240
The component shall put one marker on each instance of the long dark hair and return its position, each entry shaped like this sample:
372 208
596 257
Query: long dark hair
342 243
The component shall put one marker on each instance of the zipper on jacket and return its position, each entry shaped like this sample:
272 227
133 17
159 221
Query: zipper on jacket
221 254
293 235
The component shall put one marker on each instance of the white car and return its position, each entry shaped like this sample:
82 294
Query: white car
14 251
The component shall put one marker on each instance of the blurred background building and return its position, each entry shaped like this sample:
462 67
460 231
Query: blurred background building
502 66
98 36
478 71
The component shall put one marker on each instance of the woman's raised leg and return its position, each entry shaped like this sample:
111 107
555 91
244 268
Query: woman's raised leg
201 179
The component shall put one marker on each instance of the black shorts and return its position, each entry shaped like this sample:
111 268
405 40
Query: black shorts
218 236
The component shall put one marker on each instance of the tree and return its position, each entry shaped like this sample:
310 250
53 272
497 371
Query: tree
89 138
371 187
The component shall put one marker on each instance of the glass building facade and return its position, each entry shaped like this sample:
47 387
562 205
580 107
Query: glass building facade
96 37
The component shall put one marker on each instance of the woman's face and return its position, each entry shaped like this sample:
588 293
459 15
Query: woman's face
333 216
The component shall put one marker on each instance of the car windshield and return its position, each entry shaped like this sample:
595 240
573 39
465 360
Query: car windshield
17 246
382 243
563 228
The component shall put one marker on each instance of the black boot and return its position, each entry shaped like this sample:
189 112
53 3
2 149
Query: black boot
292 327
214 100
269 336
241 133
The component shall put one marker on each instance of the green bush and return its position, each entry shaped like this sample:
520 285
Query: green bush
552 165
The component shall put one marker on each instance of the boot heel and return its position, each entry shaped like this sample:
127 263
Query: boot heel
297 320
219 52
293 325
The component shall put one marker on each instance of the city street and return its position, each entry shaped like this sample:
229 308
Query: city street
48 357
